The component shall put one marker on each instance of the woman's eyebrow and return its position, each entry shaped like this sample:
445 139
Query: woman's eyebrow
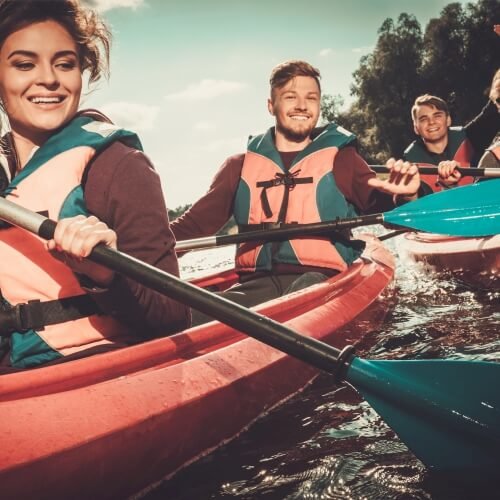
29 53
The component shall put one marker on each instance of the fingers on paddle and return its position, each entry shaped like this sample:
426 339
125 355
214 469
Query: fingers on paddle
401 173
77 236
448 169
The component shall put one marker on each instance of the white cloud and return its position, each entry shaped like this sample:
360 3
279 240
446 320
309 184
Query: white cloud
132 116
325 52
105 5
206 89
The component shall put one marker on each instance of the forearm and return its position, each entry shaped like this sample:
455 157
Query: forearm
215 208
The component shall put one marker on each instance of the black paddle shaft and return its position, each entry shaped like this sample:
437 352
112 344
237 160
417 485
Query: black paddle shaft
433 170
287 231
266 330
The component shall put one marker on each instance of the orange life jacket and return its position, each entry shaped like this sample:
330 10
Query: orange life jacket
307 193
50 183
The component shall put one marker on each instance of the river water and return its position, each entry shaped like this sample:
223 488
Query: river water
326 442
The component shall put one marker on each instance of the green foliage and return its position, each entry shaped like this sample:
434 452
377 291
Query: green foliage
331 107
462 55
455 58
385 82
177 212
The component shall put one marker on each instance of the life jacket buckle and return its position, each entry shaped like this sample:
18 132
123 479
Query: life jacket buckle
20 318
36 315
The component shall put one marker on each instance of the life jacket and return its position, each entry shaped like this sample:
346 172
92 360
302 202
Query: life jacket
495 148
459 149
307 193
50 183
491 157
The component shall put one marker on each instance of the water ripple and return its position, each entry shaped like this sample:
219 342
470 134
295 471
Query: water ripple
327 443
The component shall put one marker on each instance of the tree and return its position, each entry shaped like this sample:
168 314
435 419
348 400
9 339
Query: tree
331 107
461 55
177 212
386 82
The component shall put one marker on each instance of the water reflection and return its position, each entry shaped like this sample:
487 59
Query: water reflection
327 443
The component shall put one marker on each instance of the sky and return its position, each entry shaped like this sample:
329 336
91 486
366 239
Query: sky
191 76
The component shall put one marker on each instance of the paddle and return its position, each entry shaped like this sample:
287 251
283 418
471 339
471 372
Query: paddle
431 169
472 210
447 412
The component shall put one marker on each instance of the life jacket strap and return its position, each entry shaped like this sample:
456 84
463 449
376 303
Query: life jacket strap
35 315
289 180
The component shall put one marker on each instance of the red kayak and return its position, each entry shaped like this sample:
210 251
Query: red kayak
112 425
475 261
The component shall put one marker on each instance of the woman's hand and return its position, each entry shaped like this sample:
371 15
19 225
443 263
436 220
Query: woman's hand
74 239
403 180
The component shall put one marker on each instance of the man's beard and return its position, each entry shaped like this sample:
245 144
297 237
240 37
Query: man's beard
292 135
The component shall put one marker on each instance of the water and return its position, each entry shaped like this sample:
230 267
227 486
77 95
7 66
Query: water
327 443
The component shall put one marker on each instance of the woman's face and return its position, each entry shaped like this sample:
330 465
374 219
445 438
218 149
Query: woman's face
40 79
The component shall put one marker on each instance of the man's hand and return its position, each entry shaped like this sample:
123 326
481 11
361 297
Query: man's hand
448 173
74 239
403 180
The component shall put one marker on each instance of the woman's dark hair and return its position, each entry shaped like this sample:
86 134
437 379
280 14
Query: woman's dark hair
92 36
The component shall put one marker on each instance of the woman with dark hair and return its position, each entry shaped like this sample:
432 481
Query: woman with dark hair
91 176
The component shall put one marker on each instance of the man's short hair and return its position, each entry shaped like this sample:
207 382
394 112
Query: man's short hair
429 100
288 70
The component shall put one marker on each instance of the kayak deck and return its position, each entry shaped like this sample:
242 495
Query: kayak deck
475 261
109 425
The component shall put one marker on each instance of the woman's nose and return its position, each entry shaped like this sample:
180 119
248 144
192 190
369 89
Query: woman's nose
47 76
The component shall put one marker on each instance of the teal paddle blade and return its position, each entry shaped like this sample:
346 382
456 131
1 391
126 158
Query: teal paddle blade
472 210
447 412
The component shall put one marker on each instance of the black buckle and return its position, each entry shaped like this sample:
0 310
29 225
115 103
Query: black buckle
29 316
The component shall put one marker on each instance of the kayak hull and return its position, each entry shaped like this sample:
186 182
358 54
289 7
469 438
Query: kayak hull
475 261
110 425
